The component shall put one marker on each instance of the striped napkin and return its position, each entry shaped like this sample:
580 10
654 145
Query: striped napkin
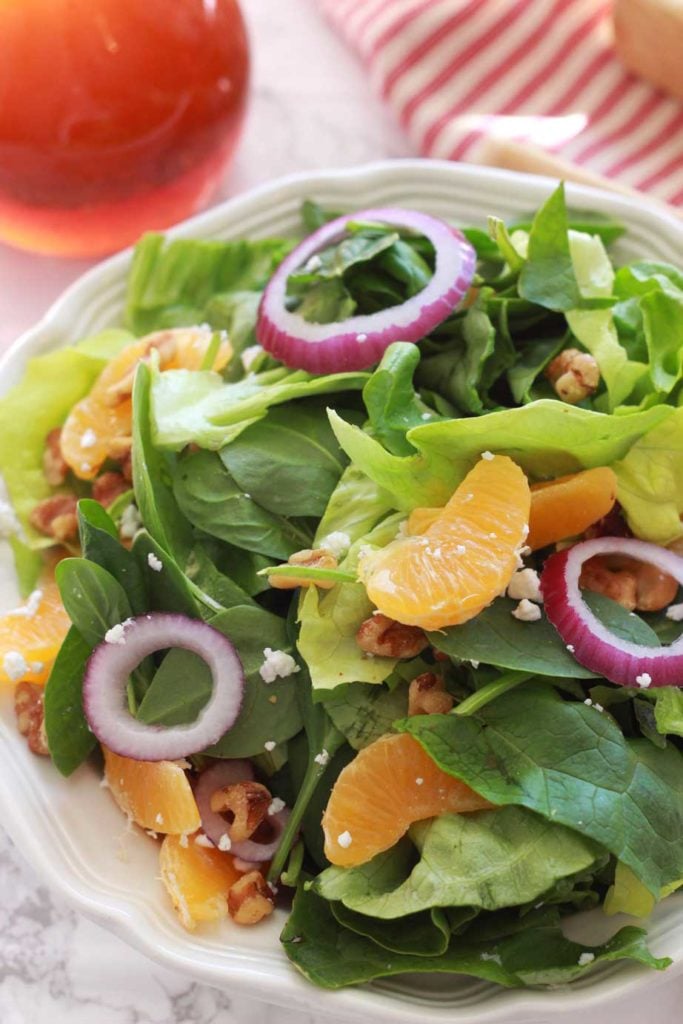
537 71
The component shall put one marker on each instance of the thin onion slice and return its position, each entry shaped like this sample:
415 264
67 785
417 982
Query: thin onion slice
111 663
218 776
360 341
591 643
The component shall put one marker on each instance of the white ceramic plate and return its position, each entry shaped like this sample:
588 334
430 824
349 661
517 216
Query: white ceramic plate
71 831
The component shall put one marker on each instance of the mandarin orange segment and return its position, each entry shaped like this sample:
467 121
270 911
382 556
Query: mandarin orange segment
155 794
462 560
377 797
569 505
31 635
197 879
99 426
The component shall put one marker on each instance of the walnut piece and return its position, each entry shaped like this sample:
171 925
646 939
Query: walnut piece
427 696
108 487
317 558
55 467
574 375
56 517
250 899
165 344
636 586
247 802
384 637
28 707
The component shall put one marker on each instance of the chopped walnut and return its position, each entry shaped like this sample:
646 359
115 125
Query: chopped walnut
574 375
28 707
427 696
55 467
56 517
108 487
250 899
247 802
382 636
636 586
316 558
165 344
127 467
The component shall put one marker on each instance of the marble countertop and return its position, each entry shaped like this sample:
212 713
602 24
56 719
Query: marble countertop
311 108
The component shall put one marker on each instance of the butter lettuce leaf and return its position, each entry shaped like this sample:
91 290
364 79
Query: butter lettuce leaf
50 387
650 481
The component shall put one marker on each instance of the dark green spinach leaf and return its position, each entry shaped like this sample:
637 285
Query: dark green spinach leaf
69 738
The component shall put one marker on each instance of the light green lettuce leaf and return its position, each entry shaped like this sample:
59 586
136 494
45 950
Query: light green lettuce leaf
650 478
199 407
663 327
489 860
669 710
546 438
50 387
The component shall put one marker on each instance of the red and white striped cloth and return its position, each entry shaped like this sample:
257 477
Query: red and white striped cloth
542 71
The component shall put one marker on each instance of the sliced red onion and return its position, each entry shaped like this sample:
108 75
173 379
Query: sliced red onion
360 341
111 663
252 851
591 643
218 776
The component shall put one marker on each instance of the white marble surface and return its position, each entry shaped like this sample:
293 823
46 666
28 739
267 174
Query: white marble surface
311 108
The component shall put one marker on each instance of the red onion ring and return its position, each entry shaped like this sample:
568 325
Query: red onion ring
111 663
360 341
253 852
592 644
218 776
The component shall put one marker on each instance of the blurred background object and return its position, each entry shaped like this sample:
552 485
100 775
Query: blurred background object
116 116
648 35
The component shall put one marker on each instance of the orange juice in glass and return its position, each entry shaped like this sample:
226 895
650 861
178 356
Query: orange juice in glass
116 116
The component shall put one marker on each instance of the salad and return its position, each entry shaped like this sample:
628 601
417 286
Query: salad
355 565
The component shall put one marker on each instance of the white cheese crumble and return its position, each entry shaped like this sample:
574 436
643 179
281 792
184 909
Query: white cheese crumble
426 416
32 605
9 524
249 356
345 839
270 745
276 805
525 584
15 666
322 758
277 664
474 663
588 702
526 611
643 680
337 543
130 523
88 438
586 958
116 635
488 456
159 819
361 338
460 549
419 781
224 843
202 840
571 648
675 612
154 563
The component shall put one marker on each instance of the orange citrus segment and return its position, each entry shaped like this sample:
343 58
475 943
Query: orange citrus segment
99 426
388 785
461 561
569 505
30 636
155 794
197 879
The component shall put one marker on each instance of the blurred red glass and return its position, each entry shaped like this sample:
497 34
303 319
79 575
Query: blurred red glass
116 116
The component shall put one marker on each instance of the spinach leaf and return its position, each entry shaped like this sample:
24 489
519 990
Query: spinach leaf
466 860
182 685
93 599
168 587
530 362
289 462
212 501
424 934
571 764
100 543
152 478
335 260
391 401
547 278
332 956
69 738
496 637
463 372
230 589
364 713
326 302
